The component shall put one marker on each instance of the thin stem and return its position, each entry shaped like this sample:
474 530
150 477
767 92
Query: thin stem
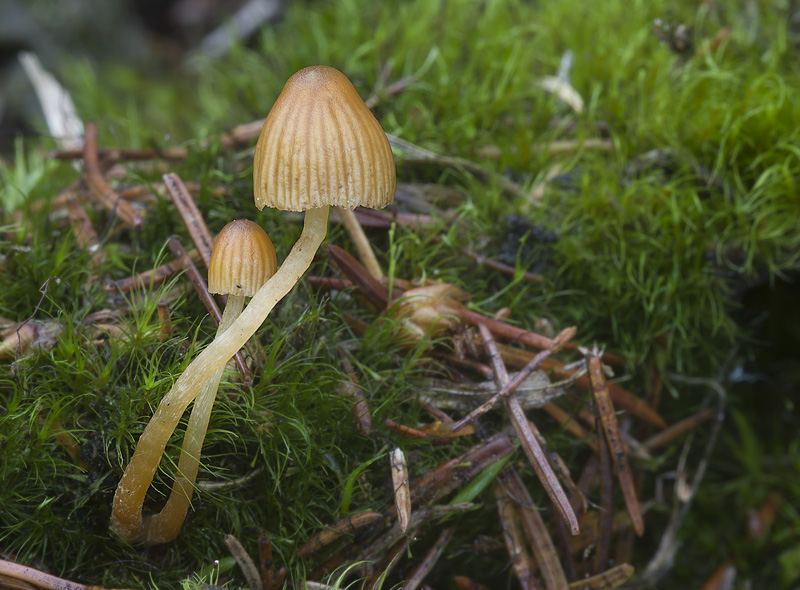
126 515
361 242
165 526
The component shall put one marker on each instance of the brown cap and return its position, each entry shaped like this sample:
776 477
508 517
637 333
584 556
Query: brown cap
242 260
320 145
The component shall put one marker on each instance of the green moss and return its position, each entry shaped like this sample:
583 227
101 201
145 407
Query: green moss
654 242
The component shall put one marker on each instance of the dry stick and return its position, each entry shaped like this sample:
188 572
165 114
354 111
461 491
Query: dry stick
245 562
514 334
202 291
576 496
375 292
427 490
535 530
605 528
513 384
527 439
350 388
125 154
152 278
98 186
330 283
277 579
443 479
404 430
192 218
608 419
609 579
430 559
265 563
164 319
85 234
570 424
512 535
419 518
9 583
484 371
337 530
517 357
361 242
669 434
40 579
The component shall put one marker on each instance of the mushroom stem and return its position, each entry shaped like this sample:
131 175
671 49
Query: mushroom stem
165 526
363 247
126 514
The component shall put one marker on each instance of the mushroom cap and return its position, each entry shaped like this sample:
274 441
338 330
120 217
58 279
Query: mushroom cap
320 145
243 259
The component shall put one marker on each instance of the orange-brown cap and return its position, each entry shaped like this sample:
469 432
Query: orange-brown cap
242 260
320 145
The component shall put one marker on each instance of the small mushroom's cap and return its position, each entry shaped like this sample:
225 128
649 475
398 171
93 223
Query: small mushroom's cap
242 260
320 145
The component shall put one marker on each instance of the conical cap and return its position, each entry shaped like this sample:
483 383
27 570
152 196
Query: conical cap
242 260
321 145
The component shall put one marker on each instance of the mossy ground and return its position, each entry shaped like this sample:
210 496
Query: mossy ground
651 257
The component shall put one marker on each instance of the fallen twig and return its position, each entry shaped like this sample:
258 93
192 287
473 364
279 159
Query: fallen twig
249 569
526 437
98 186
154 277
521 560
337 530
608 420
192 218
535 530
431 557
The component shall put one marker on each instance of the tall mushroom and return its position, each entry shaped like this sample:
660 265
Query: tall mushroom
241 262
320 146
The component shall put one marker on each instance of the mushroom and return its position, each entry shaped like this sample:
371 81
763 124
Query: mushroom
242 260
320 146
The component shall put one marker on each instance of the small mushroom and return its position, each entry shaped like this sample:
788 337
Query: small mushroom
320 146
242 260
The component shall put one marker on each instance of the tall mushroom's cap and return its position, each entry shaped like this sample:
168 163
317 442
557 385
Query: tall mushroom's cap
242 260
320 145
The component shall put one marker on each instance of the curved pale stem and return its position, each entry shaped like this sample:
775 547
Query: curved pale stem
126 513
165 526
365 252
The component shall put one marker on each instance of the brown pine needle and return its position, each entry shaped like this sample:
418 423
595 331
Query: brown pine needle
251 573
511 385
609 579
338 530
192 218
535 530
608 419
98 185
526 437
521 560
431 557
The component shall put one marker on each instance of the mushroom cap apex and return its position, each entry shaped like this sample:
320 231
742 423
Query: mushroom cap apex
321 145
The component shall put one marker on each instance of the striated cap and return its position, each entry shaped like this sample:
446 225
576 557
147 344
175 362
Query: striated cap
243 259
320 145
